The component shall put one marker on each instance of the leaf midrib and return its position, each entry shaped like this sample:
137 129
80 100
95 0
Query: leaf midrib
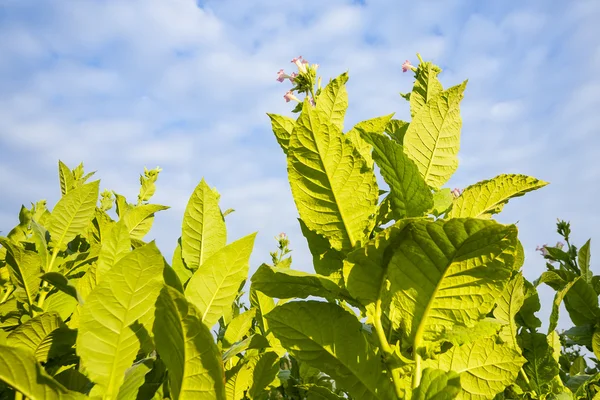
329 179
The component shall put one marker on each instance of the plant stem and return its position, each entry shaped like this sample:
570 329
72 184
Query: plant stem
45 289
385 346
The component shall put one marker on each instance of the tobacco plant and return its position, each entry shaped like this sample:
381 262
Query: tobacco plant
423 295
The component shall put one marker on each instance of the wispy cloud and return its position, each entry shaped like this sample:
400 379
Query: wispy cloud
123 85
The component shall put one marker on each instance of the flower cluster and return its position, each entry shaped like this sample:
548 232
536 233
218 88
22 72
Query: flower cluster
304 82
283 249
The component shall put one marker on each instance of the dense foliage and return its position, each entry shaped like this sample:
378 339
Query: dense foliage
423 292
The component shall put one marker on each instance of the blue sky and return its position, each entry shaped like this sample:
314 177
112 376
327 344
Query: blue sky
121 85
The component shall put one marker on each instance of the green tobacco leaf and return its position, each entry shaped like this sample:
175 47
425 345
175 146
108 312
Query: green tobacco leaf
581 302
445 273
485 367
139 219
73 213
326 261
46 336
333 101
203 232
437 385
410 195
24 267
442 200
116 244
62 283
239 327
20 370
432 139
486 198
255 341
265 370
426 87
117 317
74 380
178 265
41 246
321 393
583 259
285 283
214 287
375 126
65 176
62 303
541 367
237 384
134 379
187 348
334 190
507 306
365 268
558 298
355 366
282 128
397 129
263 304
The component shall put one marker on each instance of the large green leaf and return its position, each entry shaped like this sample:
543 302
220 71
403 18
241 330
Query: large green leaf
115 245
134 379
215 285
117 316
333 101
25 268
326 261
507 306
410 195
397 129
73 213
486 198
203 232
432 139
447 273
581 302
239 327
139 219
282 128
583 259
46 336
334 190
265 369
321 393
485 367
531 304
354 364
20 370
558 298
375 126
541 367
426 87
187 347
437 385
238 384
286 283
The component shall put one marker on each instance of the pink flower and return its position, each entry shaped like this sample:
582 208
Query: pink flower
406 66
282 236
293 77
290 96
300 63
559 245
281 76
542 250
456 192
312 102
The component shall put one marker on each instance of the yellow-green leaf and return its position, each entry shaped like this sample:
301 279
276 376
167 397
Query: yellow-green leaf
282 128
187 348
432 139
203 232
73 213
215 285
118 310
489 197
334 190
